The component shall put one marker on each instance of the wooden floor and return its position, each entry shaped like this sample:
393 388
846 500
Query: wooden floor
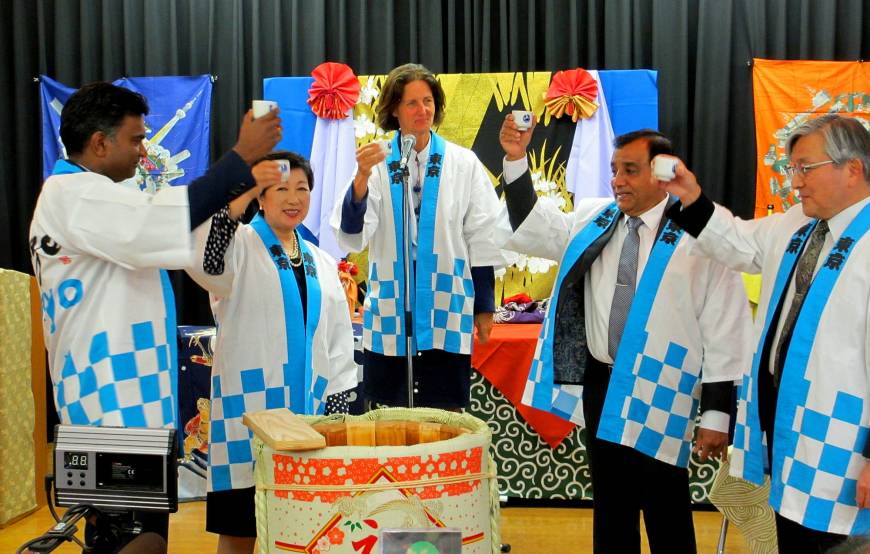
526 529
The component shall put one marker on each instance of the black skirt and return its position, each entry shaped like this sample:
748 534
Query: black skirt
231 512
442 379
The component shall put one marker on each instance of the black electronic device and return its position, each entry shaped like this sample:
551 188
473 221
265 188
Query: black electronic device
116 468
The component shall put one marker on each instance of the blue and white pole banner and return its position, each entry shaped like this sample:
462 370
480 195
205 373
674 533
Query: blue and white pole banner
325 142
177 128
333 140
627 101
291 94
587 173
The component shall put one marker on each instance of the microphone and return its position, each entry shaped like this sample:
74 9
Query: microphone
408 142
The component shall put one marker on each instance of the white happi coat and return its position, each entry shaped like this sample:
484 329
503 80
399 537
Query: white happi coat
251 346
697 329
469 224
823 416
108 310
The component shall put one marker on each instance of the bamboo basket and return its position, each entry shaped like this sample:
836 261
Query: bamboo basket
389 468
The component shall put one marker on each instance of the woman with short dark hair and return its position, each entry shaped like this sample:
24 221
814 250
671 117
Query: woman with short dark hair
284 334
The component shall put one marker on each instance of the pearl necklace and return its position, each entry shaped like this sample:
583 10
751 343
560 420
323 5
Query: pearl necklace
293 254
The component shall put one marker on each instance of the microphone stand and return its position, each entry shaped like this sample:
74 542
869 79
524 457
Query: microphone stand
409 323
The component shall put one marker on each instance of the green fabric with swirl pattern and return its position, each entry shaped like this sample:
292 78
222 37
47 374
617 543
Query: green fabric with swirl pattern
529 468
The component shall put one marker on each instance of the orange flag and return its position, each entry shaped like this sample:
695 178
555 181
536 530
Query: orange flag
787 94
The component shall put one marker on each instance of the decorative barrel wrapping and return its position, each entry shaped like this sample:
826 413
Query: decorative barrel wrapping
415 468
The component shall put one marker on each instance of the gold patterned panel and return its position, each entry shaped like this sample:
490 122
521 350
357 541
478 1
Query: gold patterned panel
516 281
468 96
746 505
17 472
528 88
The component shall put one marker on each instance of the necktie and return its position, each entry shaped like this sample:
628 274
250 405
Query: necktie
418 187
803 276
623 293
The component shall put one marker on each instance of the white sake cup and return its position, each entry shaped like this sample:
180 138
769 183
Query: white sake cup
262 107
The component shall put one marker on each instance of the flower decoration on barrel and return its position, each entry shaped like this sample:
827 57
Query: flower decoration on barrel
346 272
334 92
572 92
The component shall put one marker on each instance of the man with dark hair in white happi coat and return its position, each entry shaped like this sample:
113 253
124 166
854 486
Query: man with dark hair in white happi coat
639 337
99 252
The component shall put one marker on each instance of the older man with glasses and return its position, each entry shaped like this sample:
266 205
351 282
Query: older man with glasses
804 409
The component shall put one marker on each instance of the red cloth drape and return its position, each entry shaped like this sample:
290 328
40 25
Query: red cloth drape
505 361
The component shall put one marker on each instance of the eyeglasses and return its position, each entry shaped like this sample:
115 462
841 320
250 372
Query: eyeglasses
802 169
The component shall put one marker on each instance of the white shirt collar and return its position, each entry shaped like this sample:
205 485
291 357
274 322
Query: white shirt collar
837 224
423 155
652 216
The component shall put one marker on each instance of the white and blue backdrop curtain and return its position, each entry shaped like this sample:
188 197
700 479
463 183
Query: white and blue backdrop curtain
628 100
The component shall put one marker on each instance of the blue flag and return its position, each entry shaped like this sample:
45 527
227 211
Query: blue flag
177 127
54 95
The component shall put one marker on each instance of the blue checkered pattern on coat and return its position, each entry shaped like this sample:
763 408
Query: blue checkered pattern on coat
230 458
741 427
382 318
830 446
662 407
119 387
536 371
453 307
563 400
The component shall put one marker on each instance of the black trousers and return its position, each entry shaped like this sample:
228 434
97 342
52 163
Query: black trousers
791 536
626 483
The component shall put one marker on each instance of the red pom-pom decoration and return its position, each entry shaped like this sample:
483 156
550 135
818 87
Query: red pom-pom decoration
334 92
572 92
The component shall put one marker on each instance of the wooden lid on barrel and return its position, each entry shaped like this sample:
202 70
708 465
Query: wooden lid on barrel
281 429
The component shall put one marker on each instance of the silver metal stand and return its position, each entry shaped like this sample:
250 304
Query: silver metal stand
409 322
723 532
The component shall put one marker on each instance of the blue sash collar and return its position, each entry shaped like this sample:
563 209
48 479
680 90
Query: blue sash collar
65 167
299 335
422 299
794 387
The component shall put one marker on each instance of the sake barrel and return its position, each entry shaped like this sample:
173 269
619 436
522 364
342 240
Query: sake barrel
386 469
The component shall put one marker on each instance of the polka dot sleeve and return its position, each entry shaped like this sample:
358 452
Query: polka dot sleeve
219 236
338 403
